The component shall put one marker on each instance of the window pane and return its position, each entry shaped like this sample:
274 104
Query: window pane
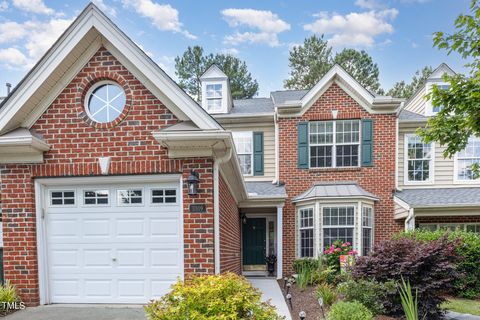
348 131
330 235
245 163
306 232
321 157
473 228
466 158
347 156
419 158
366 241
130 197
338 216
321 132
58 198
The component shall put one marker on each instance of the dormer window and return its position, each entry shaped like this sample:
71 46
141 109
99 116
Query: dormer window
214 98
445 87
430 109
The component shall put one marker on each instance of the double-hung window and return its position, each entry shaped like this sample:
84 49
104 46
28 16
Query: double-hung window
244 144
338 224
306 236
466 158
367 232
419 159
214 97
334 143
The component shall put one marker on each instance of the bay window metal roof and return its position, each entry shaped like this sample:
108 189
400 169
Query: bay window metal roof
340 189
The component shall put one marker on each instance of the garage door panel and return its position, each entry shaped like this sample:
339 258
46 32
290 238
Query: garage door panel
113 254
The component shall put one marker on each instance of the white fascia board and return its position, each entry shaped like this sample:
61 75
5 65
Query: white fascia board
24 141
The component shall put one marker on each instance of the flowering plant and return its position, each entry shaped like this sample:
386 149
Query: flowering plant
337 249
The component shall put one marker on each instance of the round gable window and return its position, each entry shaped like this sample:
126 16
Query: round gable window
105 101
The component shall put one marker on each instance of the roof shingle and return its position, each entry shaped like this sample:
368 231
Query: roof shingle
440 197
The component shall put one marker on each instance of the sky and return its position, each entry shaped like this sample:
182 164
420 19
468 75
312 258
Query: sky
396 33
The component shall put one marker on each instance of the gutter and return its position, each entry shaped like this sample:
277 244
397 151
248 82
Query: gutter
216 205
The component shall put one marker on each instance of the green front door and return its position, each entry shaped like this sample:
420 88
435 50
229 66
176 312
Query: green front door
254 241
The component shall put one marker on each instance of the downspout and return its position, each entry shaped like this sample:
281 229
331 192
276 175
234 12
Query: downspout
277 148
411 215
216 205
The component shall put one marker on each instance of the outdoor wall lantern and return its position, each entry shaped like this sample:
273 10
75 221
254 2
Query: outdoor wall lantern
244 218
192 182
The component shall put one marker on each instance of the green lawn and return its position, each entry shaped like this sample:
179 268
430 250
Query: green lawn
463 306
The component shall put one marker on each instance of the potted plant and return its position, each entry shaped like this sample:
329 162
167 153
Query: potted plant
271 260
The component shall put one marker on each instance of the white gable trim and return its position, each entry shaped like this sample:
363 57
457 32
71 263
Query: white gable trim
214 72
182 105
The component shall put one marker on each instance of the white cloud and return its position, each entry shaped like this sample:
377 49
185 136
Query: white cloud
12 58
354 29
3 5
369 4
109 9
33 6
162 16
267 26
31 38
231 51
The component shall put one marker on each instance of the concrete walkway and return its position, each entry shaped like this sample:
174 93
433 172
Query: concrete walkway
460 316
271 291
80 312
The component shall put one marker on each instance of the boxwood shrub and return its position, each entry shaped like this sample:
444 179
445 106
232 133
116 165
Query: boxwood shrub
429 266
226 296
468 250
349 311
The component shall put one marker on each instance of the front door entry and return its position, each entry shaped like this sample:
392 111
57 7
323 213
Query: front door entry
254 241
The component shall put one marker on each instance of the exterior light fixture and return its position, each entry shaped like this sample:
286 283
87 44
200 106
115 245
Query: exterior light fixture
302 315
192 182
244 218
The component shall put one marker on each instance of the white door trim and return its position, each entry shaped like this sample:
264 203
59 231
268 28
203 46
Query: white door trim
40 187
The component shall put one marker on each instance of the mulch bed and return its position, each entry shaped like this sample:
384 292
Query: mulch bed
306 300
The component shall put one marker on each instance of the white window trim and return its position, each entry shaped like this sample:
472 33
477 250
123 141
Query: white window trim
83 204
75 198
120 204
299 249
252 153
164 204
346 205
222 108
428 104
334 144
472 224
372 227
431 176
93 88
455 173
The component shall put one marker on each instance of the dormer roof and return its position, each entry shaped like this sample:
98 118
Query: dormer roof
214 72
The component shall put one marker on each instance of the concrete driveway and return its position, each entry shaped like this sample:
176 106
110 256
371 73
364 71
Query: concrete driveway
80 312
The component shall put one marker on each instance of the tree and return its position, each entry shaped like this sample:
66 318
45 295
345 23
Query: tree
404 90
309 63
459 117
360 66
193 63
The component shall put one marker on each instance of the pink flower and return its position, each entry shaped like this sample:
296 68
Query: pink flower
347 243
338 249
352 253
344 245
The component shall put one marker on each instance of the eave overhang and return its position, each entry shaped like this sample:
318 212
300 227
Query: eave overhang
20 146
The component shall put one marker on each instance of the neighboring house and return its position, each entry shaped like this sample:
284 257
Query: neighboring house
115 182
432 191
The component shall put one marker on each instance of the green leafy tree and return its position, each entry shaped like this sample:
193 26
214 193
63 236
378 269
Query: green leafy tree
459 117
403 90
193 63
360 66
308 63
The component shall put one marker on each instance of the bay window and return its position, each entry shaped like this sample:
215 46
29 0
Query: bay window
367 229
306 236
466 158
334 143
338 224
419 159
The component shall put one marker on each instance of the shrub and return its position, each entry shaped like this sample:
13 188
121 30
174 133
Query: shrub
428 266
327 293
468 285
337 249
8 296
313 271
226 296
370 293
349 311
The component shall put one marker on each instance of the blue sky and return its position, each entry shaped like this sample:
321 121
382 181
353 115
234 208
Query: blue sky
396 33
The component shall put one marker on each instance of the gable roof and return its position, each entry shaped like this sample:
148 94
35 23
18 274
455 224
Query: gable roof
369 101
213 72
91 30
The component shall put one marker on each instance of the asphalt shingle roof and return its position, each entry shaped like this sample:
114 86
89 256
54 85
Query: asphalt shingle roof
345 189
265 189
440 197
288 95
251 106
406 115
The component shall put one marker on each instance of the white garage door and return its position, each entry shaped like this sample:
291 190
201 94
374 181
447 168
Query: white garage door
119 243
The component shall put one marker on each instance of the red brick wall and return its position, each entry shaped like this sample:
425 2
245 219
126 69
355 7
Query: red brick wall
379 179
76 143
230 228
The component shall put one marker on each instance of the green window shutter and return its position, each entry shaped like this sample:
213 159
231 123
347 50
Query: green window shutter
302 130
258 154
367 142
